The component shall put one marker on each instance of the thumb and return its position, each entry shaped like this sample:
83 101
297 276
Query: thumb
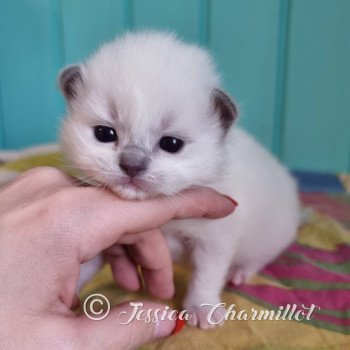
128 325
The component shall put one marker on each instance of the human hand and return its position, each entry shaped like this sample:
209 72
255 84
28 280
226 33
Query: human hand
48 228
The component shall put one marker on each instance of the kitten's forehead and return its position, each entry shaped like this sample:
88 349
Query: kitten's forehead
155 67
147 108
148 84
161 92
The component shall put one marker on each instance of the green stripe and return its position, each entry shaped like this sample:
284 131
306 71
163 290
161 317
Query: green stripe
343 268
342 314
309 284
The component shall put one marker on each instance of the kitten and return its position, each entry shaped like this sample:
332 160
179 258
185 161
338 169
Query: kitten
146 117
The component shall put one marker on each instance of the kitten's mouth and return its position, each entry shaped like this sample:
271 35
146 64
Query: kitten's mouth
132 182
133 187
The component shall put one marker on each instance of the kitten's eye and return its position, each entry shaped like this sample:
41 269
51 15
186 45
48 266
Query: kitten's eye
105 134
170 144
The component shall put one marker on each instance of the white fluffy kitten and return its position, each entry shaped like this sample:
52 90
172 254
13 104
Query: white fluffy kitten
146 117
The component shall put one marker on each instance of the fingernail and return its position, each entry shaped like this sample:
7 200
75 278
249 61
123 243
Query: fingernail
76 302
166 327
231 199
178 327
163 328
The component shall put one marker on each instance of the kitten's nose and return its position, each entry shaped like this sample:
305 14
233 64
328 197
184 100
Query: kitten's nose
133 160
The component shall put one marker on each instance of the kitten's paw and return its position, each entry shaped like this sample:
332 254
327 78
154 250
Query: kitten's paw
204 317
238 277
241 274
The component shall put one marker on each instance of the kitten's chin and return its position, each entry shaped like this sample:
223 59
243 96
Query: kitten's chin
134 189
131 193
140 190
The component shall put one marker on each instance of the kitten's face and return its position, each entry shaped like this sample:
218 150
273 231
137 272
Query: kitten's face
142 128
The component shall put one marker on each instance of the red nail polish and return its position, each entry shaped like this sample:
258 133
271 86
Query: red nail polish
231 199
76 302
179 325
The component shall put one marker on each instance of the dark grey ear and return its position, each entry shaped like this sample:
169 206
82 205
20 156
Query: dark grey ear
225 108
70 79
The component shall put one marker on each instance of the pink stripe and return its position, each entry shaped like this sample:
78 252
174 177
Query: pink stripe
327 205
315 315
333 319
337 300
341 255
296 269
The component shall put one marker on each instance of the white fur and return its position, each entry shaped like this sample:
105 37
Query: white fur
148 85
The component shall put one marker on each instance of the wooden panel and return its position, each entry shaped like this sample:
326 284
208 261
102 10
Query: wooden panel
244 38
29 64
289 70
2 131
87 24
181 16
317 100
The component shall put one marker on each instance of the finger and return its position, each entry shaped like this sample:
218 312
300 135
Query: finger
152 254
34 184
124 270
104 217
121 330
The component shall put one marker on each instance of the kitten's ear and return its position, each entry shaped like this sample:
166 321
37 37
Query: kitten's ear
225 108
69 81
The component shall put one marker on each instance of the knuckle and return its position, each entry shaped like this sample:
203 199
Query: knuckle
43 175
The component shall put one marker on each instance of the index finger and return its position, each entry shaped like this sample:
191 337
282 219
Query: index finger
106 217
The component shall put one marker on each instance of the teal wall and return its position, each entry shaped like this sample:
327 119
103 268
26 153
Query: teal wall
287 62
